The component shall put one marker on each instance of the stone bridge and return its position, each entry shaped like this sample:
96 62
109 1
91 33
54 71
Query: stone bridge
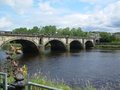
38 43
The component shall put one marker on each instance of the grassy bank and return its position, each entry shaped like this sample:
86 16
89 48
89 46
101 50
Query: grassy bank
60 85
112 45
45 81
108 47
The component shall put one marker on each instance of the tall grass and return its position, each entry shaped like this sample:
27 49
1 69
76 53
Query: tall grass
43 80
39 79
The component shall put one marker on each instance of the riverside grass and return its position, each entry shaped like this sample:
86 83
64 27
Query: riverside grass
108 47
40 79
60 85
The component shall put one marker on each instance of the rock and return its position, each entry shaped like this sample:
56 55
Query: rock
19 52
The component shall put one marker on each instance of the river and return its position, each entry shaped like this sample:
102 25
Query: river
99 67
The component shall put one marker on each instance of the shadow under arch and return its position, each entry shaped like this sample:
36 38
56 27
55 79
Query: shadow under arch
76 46
28 47
89 45
55 46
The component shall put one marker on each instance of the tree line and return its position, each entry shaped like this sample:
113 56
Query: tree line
53 30
109 37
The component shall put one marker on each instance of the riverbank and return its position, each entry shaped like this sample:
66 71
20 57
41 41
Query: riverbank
52 83
115 46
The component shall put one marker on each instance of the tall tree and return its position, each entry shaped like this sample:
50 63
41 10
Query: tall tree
20 30
105 37
34 30
49 30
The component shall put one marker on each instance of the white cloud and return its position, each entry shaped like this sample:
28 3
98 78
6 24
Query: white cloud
46 8
107 19
73 20
109 16
20 5
90 1
5 23
98 4
98 1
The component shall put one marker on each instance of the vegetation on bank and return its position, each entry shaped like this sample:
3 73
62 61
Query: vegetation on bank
8 45
39 79
108 47
43 80
108 41
61 85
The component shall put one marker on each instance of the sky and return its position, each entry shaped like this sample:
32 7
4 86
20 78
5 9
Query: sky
90 15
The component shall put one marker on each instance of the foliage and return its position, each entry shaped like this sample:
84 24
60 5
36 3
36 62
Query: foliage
77 32
105 37
35 29
44 81
6 46
61 85
115 40
48 30
108 46
53 30
25 70
20 30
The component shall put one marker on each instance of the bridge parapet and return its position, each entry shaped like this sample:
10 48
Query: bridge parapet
8 33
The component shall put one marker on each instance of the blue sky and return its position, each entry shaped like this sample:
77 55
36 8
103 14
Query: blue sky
91 15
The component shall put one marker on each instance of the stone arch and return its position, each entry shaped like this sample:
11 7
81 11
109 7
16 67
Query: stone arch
28 46
89 44
56 45
76 45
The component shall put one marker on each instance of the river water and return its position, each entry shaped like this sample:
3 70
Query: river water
101 68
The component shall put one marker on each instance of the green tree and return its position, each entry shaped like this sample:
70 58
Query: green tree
79 32
76 32
34 30
20 30
52 30
65 31
105 37
48 30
